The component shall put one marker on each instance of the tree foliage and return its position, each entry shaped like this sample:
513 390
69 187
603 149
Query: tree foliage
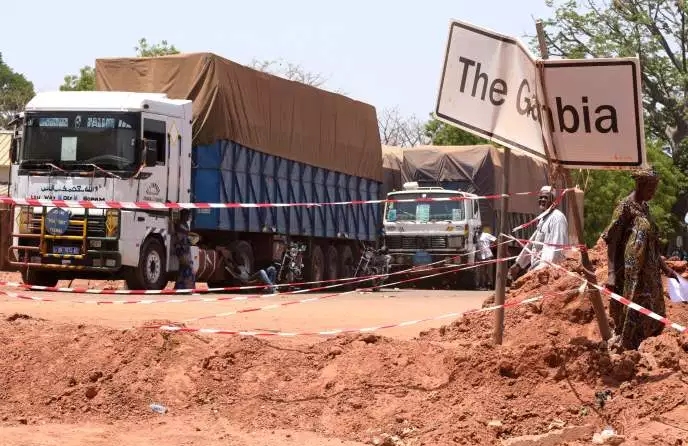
442 134
145 49
604 189
656 31
86 79
291 71
401 131
15 92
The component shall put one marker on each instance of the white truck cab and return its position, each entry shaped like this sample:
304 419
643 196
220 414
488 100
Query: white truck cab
417 232
99 146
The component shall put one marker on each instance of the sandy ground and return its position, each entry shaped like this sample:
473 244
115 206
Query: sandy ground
74 373
200 429
207 427
356 310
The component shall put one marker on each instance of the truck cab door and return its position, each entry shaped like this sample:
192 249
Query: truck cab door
153 183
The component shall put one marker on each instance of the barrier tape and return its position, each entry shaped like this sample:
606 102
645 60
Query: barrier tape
338 331
453 269
168 291
152 205
559 246
545 212
619 298
221 298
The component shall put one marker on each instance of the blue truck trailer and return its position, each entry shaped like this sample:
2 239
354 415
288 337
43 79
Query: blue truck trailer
194 128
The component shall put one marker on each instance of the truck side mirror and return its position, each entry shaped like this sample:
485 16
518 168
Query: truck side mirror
13 150
150 154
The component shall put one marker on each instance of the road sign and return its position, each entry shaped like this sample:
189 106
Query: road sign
491 86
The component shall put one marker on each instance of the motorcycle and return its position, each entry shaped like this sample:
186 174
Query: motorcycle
291 268
374 263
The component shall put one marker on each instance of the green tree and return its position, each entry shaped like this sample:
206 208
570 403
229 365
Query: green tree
656 31
604 189
86 79
443 134
144 49
15 92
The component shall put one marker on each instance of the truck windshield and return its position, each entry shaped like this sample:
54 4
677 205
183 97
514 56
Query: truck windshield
76 140
425 212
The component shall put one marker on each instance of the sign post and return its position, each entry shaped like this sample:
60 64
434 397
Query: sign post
581 113
491 86
500 283
593 293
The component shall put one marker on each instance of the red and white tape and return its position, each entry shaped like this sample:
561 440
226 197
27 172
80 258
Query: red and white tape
338 331
451 269
169 291
226 298
545 212
624 301
152 205
558 246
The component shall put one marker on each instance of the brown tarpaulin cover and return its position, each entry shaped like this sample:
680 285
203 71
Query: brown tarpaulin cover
481 167
258 110
391 169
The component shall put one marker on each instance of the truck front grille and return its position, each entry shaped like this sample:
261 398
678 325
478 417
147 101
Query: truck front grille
95 225
416 242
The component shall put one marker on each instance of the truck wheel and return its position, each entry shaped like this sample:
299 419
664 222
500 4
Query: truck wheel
39 277
346 262
331 263
242 253
316 265
151 274
468 280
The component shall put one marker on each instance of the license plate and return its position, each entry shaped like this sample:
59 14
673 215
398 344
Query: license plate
422 258
66 250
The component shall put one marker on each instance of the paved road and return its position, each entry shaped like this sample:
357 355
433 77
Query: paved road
356 310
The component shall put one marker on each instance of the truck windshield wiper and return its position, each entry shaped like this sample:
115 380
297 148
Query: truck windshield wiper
97 167
40 163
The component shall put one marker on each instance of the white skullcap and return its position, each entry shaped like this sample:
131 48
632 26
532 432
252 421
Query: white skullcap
548 190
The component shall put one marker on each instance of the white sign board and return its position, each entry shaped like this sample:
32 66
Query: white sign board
596 112
491 86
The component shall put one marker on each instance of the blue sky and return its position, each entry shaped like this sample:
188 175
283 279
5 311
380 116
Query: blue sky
384 52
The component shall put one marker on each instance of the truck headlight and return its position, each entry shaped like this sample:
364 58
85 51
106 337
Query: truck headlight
454 242
23 219
111 222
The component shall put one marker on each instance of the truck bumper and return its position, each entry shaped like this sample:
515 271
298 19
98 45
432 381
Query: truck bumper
404 259
88 244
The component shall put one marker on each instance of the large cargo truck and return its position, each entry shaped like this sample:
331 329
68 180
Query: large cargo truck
418 232
193 128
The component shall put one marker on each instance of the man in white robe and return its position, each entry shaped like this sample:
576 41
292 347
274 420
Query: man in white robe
546 243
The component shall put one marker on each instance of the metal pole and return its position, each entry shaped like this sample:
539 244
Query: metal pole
593 293
500 289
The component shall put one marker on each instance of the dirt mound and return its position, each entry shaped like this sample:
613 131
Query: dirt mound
450 386
556 338
364 387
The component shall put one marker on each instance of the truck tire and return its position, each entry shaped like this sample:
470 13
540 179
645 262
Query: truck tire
468 280
346 262
242 253
151 274
316 265
39 277
331 263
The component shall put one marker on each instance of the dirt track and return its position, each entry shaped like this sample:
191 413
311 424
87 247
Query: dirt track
356 310
207 426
